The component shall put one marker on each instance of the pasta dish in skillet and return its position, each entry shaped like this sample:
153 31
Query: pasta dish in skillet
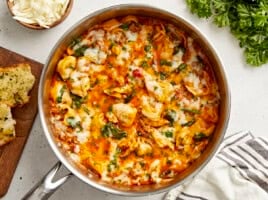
134 100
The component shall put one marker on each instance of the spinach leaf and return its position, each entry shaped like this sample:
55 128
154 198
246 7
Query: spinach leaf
168 134
77 101
200 136
147 48
165 62
180 67
80 51
189 123
110 130
193 111
59 98
124 26
170 116
73 122
75 41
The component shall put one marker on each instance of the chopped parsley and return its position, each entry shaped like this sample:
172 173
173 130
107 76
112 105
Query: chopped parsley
59 98
113 163
147 48
75 41
248 22
110 130
130 96
144 64
110 109
165 62
163 75
168 134
170 116
74 123
124 26
189 123
86 110
77 101
200 136
194 111
177 49
181 67
80 51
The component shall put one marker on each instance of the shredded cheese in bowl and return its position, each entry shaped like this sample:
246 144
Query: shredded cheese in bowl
42 12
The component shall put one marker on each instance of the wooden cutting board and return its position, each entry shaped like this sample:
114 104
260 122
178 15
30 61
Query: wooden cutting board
24 116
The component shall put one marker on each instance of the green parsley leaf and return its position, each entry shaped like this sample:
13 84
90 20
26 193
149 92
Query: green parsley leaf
248 22
189 123
165 62
168 134
77 101
59 98
73 122
147 48
170 115
110 130
194 111
144 64
75 41
200 7
80 51
163 75
124 26
200 136
181 67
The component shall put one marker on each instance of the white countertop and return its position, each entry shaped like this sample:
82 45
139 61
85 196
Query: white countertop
249 109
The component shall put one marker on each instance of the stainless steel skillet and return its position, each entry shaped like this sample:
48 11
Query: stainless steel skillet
46 186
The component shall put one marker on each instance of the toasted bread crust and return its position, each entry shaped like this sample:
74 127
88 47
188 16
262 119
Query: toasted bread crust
15 83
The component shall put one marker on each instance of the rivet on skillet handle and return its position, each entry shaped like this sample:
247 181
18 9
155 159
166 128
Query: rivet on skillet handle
45 188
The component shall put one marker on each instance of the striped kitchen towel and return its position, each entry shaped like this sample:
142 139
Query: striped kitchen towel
238 171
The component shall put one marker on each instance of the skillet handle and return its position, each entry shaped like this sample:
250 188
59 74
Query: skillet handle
46 187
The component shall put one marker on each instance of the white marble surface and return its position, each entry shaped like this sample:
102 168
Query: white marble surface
248 88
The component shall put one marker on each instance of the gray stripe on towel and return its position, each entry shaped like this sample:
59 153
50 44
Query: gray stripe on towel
249 163
250 154
193 196
263 140
258 148
250 174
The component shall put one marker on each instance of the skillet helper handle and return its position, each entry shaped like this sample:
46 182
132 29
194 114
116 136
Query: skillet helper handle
46 187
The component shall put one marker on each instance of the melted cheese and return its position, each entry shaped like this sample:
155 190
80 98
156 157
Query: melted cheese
80 83
95 55
131 36
161 90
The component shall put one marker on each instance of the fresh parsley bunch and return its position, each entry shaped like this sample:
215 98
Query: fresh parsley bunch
247 19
